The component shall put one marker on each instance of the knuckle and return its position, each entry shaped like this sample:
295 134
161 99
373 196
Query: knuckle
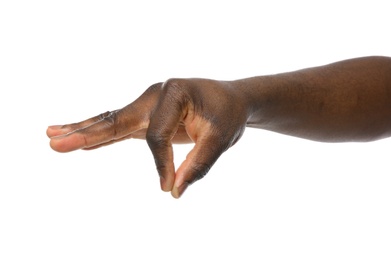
104 115
111 121
111 117
154 88
174 89
173 83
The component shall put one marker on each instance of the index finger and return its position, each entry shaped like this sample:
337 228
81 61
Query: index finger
163 126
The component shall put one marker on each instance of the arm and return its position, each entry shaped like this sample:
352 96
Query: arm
344 101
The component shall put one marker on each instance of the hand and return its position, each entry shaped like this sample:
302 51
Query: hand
212 114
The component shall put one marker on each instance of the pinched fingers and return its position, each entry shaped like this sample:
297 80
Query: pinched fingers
212 121
164 124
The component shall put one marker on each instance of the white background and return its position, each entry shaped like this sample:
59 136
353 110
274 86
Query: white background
268 197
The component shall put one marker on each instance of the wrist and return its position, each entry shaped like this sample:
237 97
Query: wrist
257 96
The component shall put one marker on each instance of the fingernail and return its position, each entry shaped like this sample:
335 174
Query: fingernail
178 191
55 126
163 183
55 130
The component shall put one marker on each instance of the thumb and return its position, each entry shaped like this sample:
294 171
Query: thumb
197 164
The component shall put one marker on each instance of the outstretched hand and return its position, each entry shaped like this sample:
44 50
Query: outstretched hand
210 113
342 101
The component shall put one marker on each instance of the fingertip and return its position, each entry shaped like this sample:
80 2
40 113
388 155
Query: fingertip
56 130
67 143
58 145
163 185
166 184
177 192
51 129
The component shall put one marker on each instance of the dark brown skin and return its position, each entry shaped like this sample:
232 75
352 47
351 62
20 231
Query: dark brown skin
341 102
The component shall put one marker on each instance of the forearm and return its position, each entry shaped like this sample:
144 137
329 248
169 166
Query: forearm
344 101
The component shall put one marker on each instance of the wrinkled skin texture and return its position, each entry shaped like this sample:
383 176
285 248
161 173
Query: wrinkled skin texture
206 112
344 101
